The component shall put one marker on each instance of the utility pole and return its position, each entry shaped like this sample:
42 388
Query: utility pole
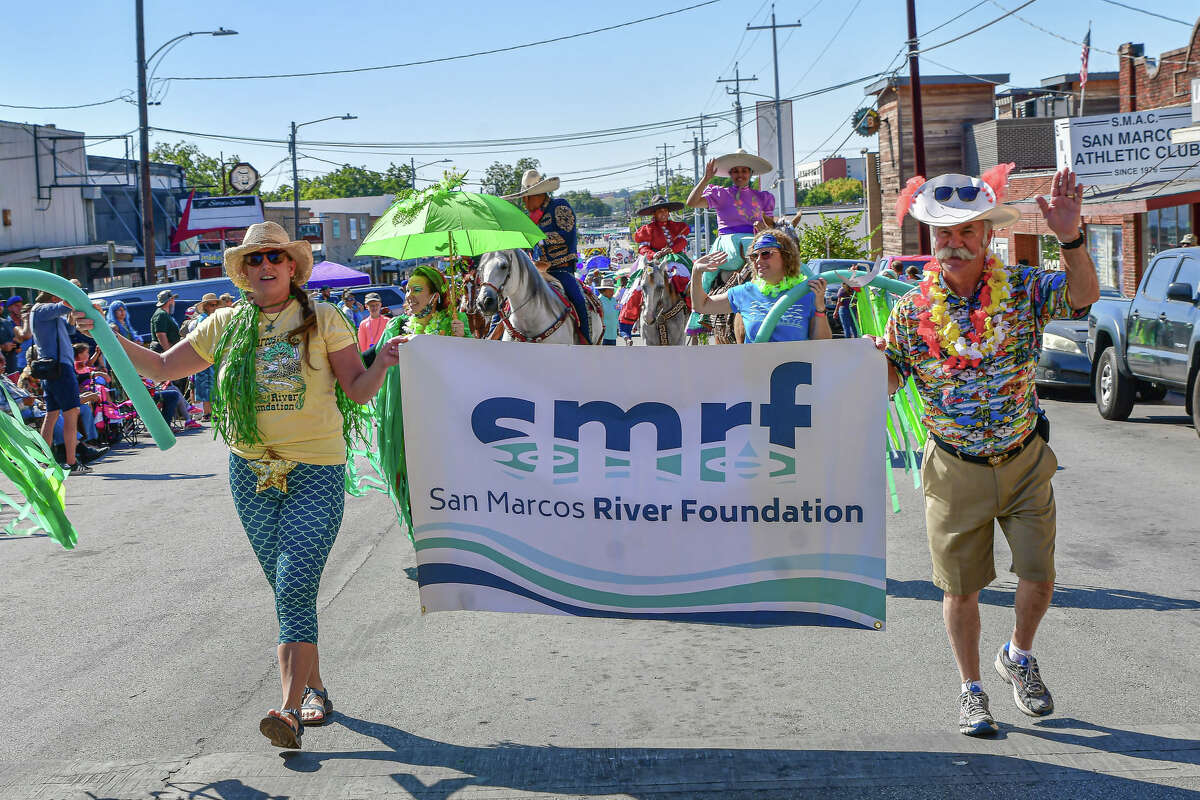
695 211
737 80
918 121
666 168
701 126
295 184
147 201
780 172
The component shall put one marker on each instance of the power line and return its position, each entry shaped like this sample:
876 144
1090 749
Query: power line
444 59
828 44
1144 11
1003 16
128 96
952 19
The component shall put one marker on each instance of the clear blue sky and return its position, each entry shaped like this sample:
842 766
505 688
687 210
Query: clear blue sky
659 70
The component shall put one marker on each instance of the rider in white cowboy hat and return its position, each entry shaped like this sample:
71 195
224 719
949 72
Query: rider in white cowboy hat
740 211
556 254
969 336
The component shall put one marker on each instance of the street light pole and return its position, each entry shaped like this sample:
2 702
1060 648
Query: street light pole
296 172
146 194
412 161
147 207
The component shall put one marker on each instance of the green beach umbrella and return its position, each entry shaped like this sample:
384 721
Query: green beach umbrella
440 222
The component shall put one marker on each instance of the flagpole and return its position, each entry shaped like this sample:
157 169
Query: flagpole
1087 46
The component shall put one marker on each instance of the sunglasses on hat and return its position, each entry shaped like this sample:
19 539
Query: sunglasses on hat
966 193
274 256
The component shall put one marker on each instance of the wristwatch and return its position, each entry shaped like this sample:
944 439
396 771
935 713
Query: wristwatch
1077 242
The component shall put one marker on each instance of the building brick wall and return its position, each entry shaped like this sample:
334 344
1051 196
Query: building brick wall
1166 82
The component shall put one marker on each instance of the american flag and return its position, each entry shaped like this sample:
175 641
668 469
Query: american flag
1087 48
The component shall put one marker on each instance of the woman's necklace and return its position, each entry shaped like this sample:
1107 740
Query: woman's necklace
271 319
436 323
776 289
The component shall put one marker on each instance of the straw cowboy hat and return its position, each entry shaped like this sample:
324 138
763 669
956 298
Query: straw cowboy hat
209 297
954 199
740 158
532 182
267 236
657 203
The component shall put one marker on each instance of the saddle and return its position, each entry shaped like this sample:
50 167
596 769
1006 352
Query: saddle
593 304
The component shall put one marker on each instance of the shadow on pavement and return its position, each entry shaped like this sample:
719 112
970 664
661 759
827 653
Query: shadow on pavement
720 772
1083 597
154 476
1115 740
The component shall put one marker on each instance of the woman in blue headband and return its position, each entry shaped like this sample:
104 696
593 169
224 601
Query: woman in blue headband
777 268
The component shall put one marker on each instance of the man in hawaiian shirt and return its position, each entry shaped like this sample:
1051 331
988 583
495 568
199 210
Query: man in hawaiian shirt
969 336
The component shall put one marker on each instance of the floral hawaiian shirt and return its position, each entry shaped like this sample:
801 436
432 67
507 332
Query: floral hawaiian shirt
738 209
989 409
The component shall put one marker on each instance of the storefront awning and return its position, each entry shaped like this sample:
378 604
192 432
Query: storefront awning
1136 198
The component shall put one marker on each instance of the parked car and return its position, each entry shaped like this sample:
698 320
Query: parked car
815 266
1063 360
189 291
1150 344
391 296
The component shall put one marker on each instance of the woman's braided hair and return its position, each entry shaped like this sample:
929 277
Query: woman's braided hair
308 322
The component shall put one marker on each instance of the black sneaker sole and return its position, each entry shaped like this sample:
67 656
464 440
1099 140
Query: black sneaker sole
1024 709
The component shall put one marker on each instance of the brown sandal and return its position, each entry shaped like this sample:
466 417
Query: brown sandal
280 731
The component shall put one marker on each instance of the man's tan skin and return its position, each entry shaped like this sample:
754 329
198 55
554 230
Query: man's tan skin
962 275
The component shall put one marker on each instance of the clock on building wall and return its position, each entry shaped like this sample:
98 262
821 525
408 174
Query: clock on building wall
243 177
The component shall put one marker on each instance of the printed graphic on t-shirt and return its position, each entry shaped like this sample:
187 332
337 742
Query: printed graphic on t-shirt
280 384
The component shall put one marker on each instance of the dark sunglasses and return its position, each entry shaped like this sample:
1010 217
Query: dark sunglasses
274 256
966 193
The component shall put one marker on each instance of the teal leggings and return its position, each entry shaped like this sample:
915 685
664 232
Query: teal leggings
292 535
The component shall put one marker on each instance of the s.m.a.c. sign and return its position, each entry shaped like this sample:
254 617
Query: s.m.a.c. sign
1121 148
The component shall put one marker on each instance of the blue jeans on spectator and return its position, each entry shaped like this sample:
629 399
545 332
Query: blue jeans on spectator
87 425
202 383
171 399
849 328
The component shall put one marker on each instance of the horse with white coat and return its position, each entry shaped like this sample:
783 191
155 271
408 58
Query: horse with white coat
535 311
664 309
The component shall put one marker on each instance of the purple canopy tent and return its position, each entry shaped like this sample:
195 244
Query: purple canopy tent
327 273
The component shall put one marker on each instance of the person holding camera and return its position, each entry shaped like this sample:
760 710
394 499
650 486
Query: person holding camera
51 321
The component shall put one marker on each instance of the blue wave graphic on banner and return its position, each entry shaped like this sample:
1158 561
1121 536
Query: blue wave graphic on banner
430 574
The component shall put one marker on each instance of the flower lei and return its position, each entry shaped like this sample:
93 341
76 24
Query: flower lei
437 323
776 289
988 328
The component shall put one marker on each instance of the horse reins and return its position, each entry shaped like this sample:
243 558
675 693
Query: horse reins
506 311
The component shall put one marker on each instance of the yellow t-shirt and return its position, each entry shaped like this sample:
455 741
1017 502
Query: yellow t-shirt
297 409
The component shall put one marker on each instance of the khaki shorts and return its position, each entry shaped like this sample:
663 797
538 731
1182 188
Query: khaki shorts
962 500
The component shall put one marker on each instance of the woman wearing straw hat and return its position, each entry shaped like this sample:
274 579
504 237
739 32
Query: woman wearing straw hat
287 399
740 211
557 254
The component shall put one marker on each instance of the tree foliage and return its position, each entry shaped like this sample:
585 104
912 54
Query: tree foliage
201 171
348 181
501 179
837 190
833 238
585 204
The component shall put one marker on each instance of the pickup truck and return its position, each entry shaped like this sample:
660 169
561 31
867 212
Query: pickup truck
1150 344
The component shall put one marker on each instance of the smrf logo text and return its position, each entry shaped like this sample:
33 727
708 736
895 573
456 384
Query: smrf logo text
781 417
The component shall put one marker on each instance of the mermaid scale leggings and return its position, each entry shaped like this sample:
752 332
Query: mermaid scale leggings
292 535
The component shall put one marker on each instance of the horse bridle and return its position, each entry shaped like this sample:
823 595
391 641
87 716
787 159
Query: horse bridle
506 313
659 323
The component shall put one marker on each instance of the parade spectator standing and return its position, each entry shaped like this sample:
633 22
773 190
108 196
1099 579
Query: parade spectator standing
354 310
608 302
287 439
118 320
371 329
970 336
844 308
50 320
202 381
16 312
163 327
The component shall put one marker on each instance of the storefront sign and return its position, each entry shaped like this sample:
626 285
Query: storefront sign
713 485
1119 149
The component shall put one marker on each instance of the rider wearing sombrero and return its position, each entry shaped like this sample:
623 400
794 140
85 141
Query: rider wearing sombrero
556 254
739 210
663 238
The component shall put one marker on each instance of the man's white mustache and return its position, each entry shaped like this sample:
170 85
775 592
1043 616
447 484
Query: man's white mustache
954 252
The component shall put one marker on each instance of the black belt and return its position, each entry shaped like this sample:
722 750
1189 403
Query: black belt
992 461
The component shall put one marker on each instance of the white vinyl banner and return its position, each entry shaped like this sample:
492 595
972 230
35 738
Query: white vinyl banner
709 484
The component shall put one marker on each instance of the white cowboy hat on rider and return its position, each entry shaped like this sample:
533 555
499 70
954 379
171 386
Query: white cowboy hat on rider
533 182
740 158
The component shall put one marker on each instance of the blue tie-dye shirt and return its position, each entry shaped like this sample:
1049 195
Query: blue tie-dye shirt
989 409
753 305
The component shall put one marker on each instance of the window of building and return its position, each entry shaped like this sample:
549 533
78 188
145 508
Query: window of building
1104 245
335 227
354 228
1162 228
1000 248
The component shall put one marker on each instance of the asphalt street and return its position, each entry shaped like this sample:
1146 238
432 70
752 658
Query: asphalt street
139 664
